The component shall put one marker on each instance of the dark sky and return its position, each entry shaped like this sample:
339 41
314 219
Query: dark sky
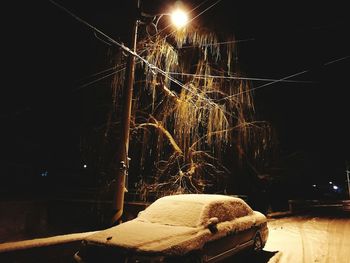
47 53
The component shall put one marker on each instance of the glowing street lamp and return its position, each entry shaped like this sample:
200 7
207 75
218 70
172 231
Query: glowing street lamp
179 18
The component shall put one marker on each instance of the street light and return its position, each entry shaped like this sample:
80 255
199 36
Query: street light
180 19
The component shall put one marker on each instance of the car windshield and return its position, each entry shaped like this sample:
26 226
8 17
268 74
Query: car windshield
173 212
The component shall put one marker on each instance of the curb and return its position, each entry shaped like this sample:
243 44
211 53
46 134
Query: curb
279 214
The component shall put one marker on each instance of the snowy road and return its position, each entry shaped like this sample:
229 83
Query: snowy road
310 239
305 239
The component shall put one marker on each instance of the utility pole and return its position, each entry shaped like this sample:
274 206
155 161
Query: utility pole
123 147
347 179
122 163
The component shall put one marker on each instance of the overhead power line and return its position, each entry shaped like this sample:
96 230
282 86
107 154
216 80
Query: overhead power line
128 50
289 76
167 74
237 78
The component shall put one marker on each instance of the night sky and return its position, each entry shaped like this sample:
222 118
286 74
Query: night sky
48 55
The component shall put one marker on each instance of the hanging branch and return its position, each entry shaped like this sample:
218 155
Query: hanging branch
196 119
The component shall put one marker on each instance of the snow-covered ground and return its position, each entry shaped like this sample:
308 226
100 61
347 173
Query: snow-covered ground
307 239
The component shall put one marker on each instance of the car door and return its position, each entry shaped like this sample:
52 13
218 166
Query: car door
228 245
234 240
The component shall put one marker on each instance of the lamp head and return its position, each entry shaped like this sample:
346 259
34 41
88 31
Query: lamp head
179 18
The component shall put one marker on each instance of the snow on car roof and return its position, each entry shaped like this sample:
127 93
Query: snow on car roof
192 209
201 198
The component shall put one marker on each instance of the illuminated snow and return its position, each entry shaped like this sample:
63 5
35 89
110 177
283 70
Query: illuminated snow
177 224
192 210
42 242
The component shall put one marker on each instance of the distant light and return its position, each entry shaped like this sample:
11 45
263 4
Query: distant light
85 166
44 174
179 18
335 187
313 185
330 182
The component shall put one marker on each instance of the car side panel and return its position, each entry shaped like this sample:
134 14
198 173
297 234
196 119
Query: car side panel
228 245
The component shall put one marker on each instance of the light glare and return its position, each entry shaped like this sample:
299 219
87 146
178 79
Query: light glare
179 18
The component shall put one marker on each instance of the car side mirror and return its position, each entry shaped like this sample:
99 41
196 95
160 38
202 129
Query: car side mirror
212 222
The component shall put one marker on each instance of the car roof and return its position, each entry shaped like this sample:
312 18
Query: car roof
201 198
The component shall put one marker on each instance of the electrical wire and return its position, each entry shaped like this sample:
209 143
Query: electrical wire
205 10
158 33
152 67
287 77
197 76
336 60
99 79
112 68
106 70
167 75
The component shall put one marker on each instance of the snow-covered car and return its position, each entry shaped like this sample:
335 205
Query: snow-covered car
180 228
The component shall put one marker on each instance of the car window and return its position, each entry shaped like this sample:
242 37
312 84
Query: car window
239 209
227 211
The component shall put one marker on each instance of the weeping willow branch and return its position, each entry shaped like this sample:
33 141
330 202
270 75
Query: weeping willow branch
219 132
161 128
192 121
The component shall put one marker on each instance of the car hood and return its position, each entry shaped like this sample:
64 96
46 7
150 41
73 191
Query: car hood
146 237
